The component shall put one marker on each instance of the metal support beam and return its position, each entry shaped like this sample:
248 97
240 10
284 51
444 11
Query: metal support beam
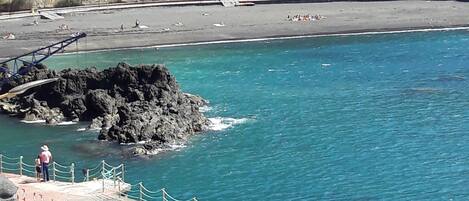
37 56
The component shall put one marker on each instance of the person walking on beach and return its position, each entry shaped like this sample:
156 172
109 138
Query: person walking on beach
46 158
137 24
37 162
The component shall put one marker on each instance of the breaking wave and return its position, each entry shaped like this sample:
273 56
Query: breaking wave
34 122
172 147
65 123
89 129
222 123
205 109
41 121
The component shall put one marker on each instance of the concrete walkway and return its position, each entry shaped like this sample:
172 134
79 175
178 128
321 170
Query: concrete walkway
30 189
62 11
22 14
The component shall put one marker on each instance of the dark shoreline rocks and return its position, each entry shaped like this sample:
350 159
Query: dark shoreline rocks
130 105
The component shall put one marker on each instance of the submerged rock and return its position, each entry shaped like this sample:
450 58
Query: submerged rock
141 105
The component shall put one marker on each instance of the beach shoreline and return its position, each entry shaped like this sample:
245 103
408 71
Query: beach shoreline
287 37
179 26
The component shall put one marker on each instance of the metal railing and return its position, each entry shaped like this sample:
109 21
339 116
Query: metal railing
103 171
17 165
141 193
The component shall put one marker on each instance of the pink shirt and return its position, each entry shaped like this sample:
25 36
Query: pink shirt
45 156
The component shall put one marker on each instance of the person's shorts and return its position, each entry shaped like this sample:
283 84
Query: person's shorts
38 169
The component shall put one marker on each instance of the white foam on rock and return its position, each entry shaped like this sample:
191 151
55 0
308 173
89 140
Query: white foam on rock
89 129
66 123
34 122
205 109
172 147
216 124
222 123
42 121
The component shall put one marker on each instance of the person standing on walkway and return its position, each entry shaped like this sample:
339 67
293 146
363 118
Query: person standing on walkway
37 162
46 158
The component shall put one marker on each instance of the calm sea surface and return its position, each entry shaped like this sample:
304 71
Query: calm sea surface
373 117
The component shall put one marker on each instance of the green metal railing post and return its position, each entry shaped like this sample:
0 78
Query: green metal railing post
119 186
1 163
123 172
163 191
103 185
114 176
87 175
140 193
102 172
21 165
53 171
103 168
72 171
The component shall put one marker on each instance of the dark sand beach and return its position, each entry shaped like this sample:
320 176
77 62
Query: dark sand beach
188 24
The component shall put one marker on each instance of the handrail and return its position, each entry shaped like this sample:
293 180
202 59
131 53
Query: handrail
6 157
7 163
67 173
27 165
59 165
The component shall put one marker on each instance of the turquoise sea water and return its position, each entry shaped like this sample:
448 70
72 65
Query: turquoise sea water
371 117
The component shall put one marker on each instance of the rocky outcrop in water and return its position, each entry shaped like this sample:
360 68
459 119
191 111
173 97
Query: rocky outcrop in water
127 104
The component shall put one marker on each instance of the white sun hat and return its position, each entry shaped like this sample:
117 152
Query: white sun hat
45 148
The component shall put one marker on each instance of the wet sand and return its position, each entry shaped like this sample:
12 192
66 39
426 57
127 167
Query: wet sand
175 25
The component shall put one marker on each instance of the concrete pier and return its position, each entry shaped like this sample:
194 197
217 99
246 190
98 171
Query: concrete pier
30 189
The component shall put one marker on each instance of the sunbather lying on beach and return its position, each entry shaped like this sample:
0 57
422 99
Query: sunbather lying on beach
63 27
221 24
307 17
9 36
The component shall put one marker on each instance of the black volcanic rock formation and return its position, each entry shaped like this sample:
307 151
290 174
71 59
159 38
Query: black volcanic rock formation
128 104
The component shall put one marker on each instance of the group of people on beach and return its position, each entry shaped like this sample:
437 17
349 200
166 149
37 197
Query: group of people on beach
9 36
307 17
42 164
63 27
137 25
